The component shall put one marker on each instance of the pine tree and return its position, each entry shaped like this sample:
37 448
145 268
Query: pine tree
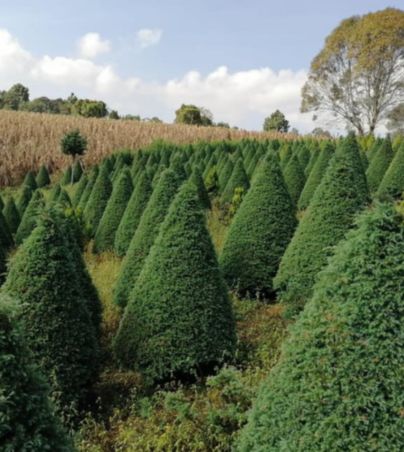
77 171
30 181
3 263
379 165
259 233
179 318
338 384
316 174
29 218
64 198
225 174
393 181
81 186
24 199
340 195
238 179
55 193
98 199
294 178
196 179
133 212
1 203
6 238
145 235
42 178
27 418
89 187
303 155
11 215
313 158
67 176
105 236
54 317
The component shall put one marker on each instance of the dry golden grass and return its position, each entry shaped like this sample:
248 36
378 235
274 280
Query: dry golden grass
28 140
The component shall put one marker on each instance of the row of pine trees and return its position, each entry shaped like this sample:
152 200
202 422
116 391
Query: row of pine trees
290 207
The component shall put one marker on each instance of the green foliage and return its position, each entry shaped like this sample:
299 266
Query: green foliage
145 235
196 179
340 195
393 181
30 181
277 122
64 198
98 199
316 174
81 186
15 97
11 215
211 180
379 165
6 238
27 418
54 316
67 176
89 188
225 174
338 384
54 193
24 199
179 318
42 178
73 143
105 236
193 115
294 178
29 217
238 179
77 171
259 233
90 108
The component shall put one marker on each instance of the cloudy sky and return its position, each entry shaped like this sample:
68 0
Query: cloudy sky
241 59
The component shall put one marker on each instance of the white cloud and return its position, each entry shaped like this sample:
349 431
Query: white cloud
242 98
91 45
147 37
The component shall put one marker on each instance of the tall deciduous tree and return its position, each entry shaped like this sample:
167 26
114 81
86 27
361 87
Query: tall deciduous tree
276 121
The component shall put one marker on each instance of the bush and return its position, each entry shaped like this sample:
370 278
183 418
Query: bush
338 385
73 143
259 233
179 318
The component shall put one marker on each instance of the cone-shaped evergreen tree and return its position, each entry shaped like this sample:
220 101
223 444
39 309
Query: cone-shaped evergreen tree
64 198
225 174
179 318
54 314
303 155
379 165
393 181
259 233
340 195
11 215
145 235
197 180
67 176
42 178
98 199
27 418
24 199
1 203
55 193
29 218
89 187
133 212
338 385
285 154
105 236
30 181
294 178
81 186
313 158
77 171
3 263
238 179
6 238
316 174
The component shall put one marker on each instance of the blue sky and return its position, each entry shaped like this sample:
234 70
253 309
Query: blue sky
148 57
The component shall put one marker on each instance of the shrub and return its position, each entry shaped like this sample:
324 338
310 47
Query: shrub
145 235
338 385
133 212
379 165
340 195
27 418
111 218
259 233
11 215
73 144
393 181
42 178
179 318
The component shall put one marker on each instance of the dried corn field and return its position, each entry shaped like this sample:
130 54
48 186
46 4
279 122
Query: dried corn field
28 140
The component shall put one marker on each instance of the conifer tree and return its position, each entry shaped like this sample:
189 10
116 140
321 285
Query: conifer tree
24 199
303 155
54 315
42 178
55 193
81 186
28 421
340 195
294 178
6 238
98 199
64 198
313 158
29 218
30 181
393 181
145 235
1 203
259 233
67 176
338 384
3 263
179 318
77 171
196 179
89 187
379 165
11 215
316 174
105 236
225 174
238 179
133 212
